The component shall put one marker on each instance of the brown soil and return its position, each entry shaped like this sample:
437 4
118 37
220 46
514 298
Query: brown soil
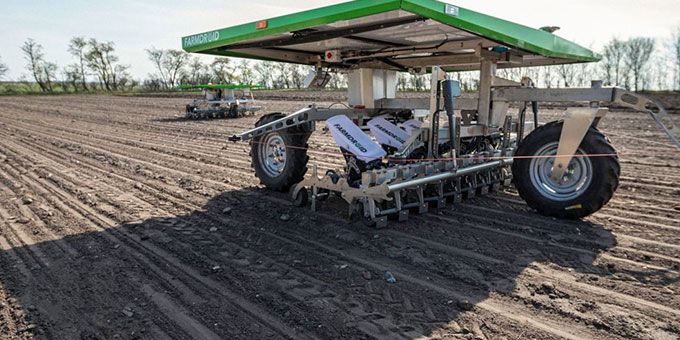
120 220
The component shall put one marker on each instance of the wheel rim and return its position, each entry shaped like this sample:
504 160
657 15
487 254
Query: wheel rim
273 155
575 181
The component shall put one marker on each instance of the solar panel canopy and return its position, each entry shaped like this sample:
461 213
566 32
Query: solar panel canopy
390 34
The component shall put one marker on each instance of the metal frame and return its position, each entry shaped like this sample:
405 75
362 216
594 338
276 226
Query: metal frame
480 42
398 188
610 96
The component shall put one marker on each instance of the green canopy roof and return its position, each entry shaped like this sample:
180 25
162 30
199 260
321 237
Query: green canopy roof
391 34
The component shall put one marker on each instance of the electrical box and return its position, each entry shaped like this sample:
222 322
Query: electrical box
367 85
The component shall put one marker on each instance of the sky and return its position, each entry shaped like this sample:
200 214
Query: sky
135 25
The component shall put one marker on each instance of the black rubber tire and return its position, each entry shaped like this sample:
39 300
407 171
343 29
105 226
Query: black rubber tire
233 112
605 181
302 198
296 160
189 113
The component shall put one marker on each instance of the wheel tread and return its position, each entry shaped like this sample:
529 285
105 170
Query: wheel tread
297 158
593 199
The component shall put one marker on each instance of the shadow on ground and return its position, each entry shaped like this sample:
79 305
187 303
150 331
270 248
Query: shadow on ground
243 267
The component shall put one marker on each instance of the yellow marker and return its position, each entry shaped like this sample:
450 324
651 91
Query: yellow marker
575 206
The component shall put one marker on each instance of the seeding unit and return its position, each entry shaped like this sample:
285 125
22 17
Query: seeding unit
425 152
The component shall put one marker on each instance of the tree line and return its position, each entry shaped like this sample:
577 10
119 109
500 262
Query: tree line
96 67
173 67
638 64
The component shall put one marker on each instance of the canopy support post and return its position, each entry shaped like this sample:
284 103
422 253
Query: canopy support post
487 74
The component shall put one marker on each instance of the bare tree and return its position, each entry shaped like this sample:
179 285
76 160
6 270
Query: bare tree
174 63
402 81
658 75
291 75
72 77
197 72
582 74
156 57
517 73
265 73
567 74
338 81
101 59
3 70
246 72
613 56
50 70
152 84
638 52
122 79
170 65
283 79
223 71
77 47
98 62
419 82
675 47
33 53
548 76
298 74
468 80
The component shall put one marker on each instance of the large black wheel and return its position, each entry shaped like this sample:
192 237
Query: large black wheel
190 112
588 184
233 111
280 158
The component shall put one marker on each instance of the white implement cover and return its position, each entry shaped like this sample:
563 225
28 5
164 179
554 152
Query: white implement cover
411 125
350 137
387 133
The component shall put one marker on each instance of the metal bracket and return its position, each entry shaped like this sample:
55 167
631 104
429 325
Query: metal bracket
576 124
641 103
298 118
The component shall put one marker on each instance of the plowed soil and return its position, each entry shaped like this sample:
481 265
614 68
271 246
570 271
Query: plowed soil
118 219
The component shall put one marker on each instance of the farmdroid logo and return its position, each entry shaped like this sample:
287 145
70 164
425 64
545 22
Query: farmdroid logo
200 39
350 138
390 133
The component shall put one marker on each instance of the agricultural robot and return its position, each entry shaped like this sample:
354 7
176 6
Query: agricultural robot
221 101
410 155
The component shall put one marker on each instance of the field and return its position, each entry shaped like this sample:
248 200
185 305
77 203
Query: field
120 220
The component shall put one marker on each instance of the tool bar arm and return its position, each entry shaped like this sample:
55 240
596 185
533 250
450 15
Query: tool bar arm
448 175
306 116
554 95
298 118
654 108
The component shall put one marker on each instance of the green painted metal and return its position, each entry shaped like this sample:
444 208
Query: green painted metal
287 23
502 31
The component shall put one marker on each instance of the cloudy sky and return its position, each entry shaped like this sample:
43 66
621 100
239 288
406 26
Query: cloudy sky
135 25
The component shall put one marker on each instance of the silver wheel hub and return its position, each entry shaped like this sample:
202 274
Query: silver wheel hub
574 182
273 154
